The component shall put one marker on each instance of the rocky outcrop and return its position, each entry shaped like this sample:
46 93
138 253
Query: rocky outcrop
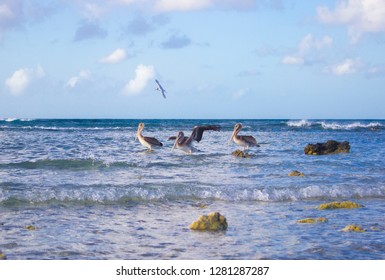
242 154
353 228
312 220
339 205
330 147
212 222
296 173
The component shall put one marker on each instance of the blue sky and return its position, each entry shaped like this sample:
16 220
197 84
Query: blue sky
216 59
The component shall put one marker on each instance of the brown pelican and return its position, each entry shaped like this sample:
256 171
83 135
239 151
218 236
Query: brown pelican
242 140
148 142
185 143
160 88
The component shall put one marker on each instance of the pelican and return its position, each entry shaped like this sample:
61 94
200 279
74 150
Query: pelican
184 143
148 142
242 140
160 88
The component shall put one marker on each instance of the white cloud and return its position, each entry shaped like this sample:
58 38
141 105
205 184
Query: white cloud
360 16
83 75
290 59
305 47
239 94
116 56
348 66
143 74
182 5
22 78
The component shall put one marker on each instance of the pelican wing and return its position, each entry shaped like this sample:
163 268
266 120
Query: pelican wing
174 138
153 141
197 132
249 139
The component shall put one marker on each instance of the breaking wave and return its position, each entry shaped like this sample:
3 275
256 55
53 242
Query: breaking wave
334 125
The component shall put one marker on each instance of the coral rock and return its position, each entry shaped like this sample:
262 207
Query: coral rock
213 222
339 205
354 228
330 147
242 154
312 220
296 173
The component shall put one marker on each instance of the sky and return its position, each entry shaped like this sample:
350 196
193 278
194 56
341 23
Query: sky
255 59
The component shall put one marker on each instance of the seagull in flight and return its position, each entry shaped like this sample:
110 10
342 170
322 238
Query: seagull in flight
160 88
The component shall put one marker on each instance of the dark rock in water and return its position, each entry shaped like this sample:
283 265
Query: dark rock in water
330 147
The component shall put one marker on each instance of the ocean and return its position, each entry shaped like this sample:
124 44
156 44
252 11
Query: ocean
86 189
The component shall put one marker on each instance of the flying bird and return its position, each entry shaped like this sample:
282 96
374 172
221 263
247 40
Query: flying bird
160 88
245 141
185 143
148 142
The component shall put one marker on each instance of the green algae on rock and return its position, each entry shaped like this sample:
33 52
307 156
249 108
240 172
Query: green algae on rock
312 220
30 227
296 173
339 205
242 154
212 222
353 228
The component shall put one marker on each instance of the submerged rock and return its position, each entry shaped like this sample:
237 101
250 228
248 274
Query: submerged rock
330 147
354 228
30 227
312 220
242 154
296 173
213 222
339 205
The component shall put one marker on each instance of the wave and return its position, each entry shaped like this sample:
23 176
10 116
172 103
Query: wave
144 193
334 125
16 119
350 126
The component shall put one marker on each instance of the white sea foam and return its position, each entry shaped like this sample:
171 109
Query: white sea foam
299 123
349 126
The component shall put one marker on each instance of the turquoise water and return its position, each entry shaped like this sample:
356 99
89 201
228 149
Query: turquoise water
92 192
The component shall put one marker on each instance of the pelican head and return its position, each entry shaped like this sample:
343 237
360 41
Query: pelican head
178 138
236 130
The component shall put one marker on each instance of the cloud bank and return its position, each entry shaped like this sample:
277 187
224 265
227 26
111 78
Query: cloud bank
360 16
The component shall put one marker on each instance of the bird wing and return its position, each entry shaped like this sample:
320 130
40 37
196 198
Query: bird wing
197 132
153 141
174 138
249 139
161 88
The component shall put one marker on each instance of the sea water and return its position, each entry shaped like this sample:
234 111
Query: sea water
85 189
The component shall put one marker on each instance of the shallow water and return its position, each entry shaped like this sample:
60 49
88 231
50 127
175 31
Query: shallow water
92 192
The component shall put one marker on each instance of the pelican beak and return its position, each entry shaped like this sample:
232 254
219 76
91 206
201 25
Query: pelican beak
173 147
231 138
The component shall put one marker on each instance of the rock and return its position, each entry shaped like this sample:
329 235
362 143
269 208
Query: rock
354 228
213 222
339 205
330 147
296 173
2 256
312 220
30 227
242 154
